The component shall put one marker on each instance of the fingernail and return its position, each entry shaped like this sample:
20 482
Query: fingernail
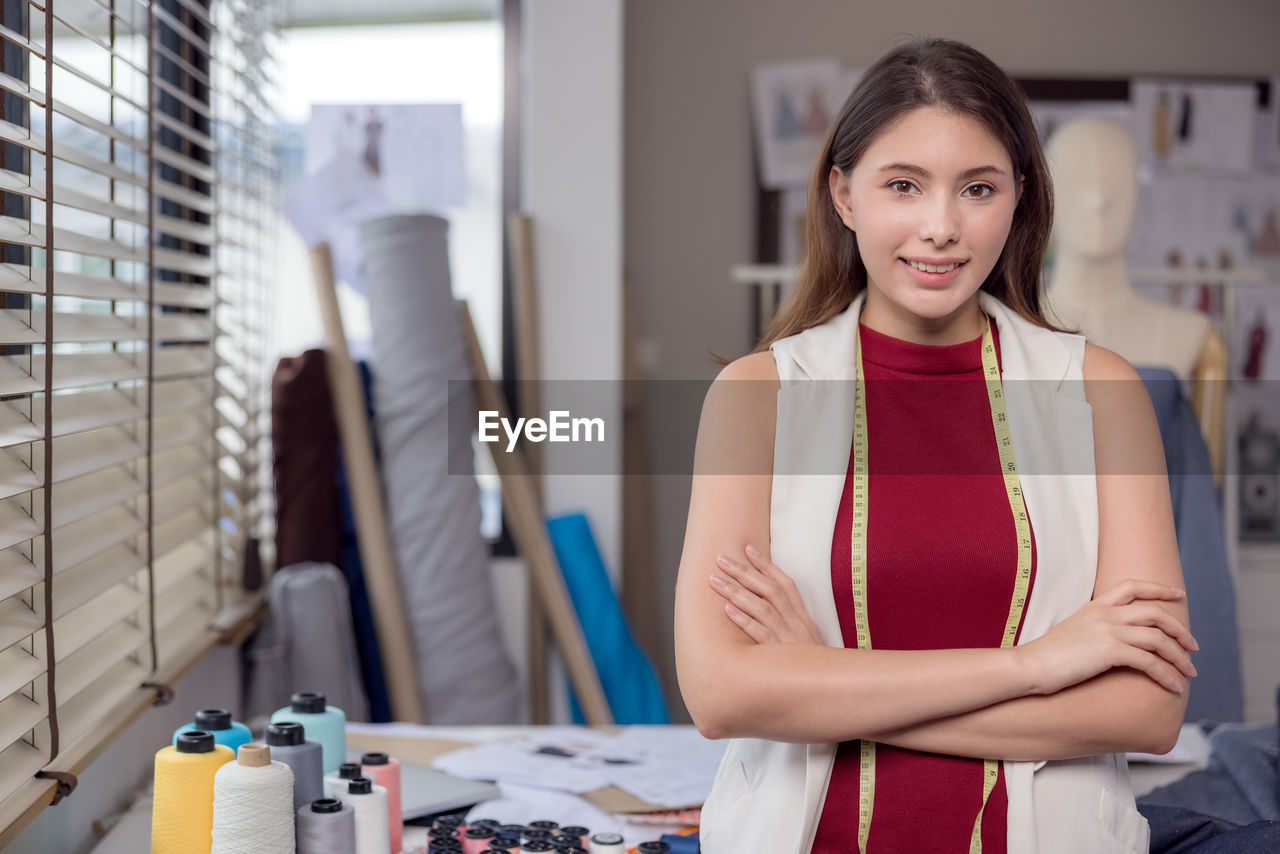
1194 672
752 551
1179 591
1195 644
724 561
717 582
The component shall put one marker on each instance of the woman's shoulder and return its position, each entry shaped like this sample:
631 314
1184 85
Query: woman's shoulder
1103 364
759 366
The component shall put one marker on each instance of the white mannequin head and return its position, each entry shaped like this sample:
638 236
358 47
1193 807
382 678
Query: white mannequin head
1094 166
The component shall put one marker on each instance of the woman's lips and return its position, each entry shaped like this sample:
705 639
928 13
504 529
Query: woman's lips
933 279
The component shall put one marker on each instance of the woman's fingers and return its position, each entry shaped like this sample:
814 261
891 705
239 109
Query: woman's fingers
755 581
749 603
755 630
1138 588
1155 640
1153 665
1151 614
785 584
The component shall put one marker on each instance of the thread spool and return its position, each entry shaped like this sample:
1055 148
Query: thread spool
607 843
385 771
476 838
373 836
253 805
532 834
326 826
335 782
653 848
303 756
218 722
323 723
582 834
182 814
505 844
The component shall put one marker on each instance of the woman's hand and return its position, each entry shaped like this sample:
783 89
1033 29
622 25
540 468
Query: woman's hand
763 601
1123 627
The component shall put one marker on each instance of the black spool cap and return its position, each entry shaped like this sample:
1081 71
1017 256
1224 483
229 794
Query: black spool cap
326 805
485 822
307 703
513 830
285 734
375 759
211 719
360 786
545 825
483 831
654 848
539 845
574 830
571 849
195 741
349 771
537 833
448 821
504 844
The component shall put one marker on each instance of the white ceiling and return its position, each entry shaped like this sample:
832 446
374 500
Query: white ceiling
319 13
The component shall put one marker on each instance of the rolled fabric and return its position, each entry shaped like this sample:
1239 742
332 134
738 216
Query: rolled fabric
434 514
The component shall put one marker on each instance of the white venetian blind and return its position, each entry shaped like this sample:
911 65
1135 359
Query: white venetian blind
137 180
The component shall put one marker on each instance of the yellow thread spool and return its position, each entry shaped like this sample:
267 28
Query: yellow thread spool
182 816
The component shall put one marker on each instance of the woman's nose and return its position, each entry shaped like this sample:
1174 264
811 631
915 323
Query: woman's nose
940 223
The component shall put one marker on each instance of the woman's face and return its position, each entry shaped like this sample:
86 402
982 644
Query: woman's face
930 203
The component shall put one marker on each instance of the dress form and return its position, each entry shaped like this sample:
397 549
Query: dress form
1094 165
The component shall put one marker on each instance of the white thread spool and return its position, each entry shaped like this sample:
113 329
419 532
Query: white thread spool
373 833
607 843
336 782
253 805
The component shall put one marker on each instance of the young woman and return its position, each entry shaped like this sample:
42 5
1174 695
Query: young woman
930 587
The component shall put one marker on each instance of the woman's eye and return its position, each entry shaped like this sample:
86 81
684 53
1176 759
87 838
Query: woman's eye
982 191
901 187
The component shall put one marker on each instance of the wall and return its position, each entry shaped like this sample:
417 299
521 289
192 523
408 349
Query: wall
688 159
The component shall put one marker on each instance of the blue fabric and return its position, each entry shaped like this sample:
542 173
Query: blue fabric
1239 784
629 682
681 844
1181 831
374 677
1217 692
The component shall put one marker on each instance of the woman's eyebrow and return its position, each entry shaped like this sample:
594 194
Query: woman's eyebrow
924 173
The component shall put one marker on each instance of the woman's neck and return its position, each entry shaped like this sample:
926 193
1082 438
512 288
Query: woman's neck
964 324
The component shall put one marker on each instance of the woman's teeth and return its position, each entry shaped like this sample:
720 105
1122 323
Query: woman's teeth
932 268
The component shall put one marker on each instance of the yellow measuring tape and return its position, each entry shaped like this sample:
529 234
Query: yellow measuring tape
1022 581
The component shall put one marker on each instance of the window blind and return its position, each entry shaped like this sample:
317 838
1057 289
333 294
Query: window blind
138 184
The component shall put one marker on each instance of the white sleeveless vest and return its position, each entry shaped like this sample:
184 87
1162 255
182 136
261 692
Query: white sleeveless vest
768 795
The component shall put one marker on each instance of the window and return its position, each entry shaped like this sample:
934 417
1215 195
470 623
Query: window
137 176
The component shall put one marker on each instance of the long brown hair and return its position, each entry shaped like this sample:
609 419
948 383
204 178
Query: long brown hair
928 72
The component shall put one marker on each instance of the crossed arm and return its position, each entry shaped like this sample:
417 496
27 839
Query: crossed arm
1025 703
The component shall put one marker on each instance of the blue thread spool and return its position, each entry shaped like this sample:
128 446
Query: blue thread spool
219 723
323 723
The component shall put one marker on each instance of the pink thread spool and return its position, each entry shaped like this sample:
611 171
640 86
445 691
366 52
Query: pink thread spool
385 771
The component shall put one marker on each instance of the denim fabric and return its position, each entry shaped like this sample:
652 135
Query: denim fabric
1175 830
1217 693
1237 788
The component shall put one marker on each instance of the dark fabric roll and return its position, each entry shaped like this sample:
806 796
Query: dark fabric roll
304 435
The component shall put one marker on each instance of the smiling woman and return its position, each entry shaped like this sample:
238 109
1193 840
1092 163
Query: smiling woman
943 600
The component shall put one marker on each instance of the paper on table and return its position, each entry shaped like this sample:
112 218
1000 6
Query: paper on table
522 804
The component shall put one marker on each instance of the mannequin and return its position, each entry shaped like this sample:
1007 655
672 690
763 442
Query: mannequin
1094 164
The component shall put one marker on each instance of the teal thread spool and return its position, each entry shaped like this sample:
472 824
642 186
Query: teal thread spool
322 723
219 723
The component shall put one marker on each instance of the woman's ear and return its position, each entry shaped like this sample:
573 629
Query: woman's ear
841 196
